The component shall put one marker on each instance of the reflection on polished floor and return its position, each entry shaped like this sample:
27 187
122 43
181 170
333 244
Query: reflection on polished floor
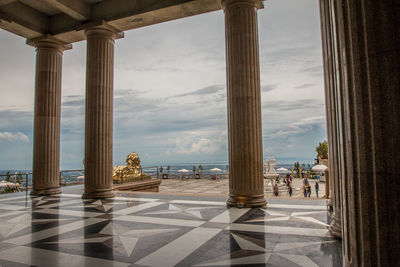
157 230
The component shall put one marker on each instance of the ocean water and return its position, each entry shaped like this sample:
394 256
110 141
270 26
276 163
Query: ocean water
73 176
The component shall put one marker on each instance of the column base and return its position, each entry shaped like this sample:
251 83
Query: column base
335 229
240 201
46 191
329 204
99 193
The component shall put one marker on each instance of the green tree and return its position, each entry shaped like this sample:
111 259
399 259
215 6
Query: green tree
322 150
168 170
19 178
200 168
297 168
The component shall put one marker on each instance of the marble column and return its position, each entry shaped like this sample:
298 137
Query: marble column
369 63
99 112
337 163
333 80
46 137
326 55
246 183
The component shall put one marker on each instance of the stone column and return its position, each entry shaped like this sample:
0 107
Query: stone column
99 112
326 55
369 51
246 187
333 81
46 137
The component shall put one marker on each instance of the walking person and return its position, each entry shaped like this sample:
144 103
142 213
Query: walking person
290 189
316 188
276 190
308 190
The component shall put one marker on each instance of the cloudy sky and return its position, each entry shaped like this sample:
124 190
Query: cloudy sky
170 91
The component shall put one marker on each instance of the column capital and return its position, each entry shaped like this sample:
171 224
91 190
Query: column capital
48 41
257 3
101 29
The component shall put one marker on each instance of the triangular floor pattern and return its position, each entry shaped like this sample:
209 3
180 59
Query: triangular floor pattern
156 230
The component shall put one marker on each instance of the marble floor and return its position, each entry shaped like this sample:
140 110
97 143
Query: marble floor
157 230
221 187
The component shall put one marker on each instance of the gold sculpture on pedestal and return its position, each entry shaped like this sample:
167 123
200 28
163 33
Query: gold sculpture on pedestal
131 172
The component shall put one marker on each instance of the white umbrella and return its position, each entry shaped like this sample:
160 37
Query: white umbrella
183 170
282 170
216 170
319 168
6 184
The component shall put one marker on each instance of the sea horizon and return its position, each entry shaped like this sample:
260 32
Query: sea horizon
173 166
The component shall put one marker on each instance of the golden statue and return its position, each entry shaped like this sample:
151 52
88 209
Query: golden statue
131 172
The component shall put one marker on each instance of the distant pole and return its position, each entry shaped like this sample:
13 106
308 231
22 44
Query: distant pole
26 184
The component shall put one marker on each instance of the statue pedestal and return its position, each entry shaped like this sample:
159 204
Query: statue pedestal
151 185
271 176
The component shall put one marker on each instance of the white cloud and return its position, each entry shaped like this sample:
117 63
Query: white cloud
12 137
295 140
192 145
297 128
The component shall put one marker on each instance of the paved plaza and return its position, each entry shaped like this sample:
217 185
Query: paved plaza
162 230
221 187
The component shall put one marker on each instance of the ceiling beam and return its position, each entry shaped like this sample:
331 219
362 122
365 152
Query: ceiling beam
130 14
111 9
76 9
25 16
18 29
6 2
121 14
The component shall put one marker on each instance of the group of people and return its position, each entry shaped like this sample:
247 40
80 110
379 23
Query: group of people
307 188
288 181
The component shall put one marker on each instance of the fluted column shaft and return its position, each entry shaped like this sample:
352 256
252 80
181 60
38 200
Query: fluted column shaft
46 138
368 62
326 55
333 81
370 37
99 113
246 188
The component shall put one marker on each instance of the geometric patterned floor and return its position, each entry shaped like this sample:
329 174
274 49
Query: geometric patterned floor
64 230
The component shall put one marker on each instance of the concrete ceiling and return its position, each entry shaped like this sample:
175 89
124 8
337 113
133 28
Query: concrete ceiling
66 19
